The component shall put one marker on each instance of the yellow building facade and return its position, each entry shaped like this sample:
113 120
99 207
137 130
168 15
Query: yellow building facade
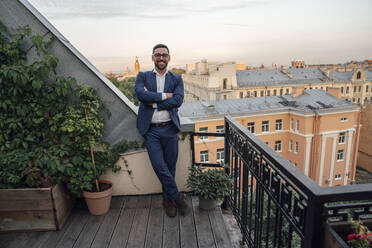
321 141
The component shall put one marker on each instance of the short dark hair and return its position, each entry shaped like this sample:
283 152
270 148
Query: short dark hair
159 46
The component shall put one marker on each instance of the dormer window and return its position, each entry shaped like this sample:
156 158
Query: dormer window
359 75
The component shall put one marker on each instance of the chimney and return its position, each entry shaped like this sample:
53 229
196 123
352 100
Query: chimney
334 91
297 91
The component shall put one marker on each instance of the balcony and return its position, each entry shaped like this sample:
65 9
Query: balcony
276 205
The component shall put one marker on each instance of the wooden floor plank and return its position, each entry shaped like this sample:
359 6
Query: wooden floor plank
108 225
187 227
171 232
89 231
73 232
154 236
133 221
56 236
6 238
220 233
124 224
137 234
203 226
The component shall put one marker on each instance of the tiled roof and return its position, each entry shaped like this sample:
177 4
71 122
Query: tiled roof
251 78
309 101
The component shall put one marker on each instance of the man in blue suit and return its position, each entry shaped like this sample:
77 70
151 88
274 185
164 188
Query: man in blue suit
161 94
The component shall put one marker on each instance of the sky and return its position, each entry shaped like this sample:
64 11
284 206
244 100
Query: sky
111 33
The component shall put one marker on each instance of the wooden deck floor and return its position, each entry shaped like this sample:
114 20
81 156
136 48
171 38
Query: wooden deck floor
133 221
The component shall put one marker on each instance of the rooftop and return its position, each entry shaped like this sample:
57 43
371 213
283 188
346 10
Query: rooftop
309 101
250 78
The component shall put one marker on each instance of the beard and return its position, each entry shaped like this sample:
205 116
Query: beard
161 66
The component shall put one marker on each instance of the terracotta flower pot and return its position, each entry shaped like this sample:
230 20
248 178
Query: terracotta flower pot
99 202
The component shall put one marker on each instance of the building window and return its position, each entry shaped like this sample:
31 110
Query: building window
255 93
342 90
278 125
204 156
224 97
281 92
241 94
341 138
220 155
291 124
274 92
355 89
358 100
278 146
268 92
354 99
366 88
287 91
290 145
347 90
265 126
371 99
295 164
343 119
267 143
338 177
359 75
205 130
224 83
297 125
360 88
262 93
220 129
248 94
251 127
340 155
296 147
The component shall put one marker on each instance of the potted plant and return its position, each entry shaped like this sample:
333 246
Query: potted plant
84 123
361 237
209 184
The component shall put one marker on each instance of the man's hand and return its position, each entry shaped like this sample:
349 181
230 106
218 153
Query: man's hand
169 95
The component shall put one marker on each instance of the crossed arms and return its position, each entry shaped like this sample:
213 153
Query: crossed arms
164 101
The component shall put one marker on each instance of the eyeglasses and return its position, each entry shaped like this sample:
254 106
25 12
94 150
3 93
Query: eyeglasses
158 55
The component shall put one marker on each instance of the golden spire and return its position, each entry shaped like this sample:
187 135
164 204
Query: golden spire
136 67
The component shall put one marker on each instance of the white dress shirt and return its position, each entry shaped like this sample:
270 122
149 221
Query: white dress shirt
160 116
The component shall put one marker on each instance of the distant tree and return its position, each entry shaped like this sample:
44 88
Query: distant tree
127 87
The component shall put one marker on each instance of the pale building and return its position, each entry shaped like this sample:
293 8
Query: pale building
317 132
219 81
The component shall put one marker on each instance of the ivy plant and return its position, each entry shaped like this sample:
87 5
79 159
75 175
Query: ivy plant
50 126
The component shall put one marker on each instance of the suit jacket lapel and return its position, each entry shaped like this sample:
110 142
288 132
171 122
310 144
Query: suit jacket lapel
152 86
167 83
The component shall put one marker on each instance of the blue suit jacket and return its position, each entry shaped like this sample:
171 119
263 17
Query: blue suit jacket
173 84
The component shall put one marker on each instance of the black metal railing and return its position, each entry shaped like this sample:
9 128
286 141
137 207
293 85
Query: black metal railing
274 203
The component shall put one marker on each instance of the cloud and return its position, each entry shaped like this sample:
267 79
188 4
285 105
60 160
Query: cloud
239 25
224 7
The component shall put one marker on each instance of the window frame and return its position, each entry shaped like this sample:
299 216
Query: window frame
250 126
265 124
203 137
340 155
204 154
278 146
279 122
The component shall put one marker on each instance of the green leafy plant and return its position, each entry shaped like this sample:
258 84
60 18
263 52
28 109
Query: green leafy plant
51 127
209 183
362 237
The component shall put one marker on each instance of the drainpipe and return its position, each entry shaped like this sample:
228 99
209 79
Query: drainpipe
314 147
356 146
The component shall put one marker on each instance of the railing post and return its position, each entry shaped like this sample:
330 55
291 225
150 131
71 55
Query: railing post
226 160
313 223
192 149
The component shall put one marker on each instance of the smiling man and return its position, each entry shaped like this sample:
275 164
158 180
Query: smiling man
161 94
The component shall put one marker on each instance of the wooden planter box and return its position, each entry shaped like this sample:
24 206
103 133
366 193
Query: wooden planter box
39 209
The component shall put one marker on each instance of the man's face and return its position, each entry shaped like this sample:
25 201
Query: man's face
161 58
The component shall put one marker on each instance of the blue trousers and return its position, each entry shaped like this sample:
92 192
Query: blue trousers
162 147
